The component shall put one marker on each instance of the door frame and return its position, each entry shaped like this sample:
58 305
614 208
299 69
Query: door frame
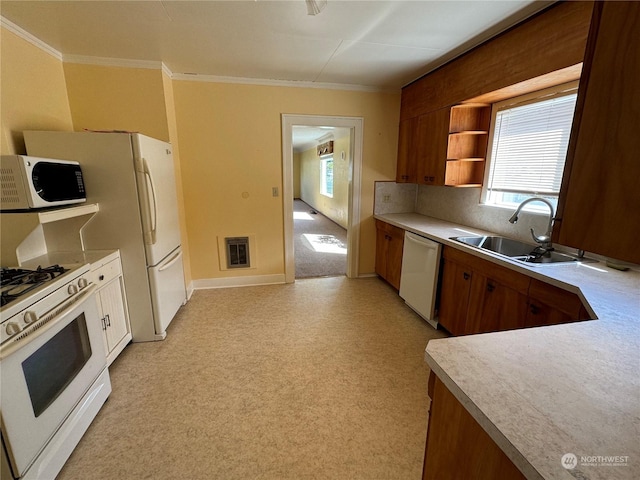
356 125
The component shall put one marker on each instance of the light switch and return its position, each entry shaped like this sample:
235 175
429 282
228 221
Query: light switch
274 191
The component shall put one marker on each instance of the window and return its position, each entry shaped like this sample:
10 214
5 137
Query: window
528 146
326 175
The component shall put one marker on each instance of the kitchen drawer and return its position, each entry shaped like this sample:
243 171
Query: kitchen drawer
107 272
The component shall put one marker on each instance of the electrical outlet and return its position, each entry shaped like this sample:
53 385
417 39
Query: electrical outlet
386 198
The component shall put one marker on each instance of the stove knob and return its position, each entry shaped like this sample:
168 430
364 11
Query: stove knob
13 328
30 317
82 283
72 289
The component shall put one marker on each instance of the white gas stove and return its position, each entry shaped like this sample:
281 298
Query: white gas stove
54 371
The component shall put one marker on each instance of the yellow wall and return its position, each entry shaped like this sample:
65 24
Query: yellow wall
296 174
337 207
173 138
33 95
117 98
231 155
227 140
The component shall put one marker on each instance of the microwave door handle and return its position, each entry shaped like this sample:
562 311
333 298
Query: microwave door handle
151 235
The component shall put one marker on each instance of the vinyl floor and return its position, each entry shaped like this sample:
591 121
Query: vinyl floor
321 379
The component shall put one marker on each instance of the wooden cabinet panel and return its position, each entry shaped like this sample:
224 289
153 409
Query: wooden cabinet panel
389 245
457 446
381 249
433 131
478 296
454 297
494 307
599 198
406 169
551 305
545 43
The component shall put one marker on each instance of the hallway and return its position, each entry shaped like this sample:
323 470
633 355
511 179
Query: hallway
320 245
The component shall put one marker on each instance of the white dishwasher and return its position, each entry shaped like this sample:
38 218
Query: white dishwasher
419 277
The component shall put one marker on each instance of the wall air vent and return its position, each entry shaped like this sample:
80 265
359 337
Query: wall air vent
237 252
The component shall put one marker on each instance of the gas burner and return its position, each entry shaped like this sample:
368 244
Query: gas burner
15 282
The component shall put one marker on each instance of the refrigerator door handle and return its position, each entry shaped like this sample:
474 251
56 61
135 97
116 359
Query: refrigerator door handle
151 236
173 260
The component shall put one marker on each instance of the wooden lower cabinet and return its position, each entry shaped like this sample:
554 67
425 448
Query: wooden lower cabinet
495 306
457 446
478 296
551 305
454 296
389 245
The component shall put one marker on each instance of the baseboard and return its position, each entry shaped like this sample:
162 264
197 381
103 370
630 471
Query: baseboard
190 290
367 275
248 281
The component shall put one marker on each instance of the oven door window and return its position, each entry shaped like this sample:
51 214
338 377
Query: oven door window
53 366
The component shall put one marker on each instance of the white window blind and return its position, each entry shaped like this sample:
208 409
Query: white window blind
529 148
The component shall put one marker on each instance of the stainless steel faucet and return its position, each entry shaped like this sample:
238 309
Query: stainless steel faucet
543 240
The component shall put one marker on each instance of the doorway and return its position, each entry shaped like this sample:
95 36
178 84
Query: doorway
353 159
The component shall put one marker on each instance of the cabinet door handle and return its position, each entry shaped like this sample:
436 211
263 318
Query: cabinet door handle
101 277
104 323
466 276
108 319
490 287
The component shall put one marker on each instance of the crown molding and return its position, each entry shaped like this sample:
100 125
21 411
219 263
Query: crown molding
192 77
195 77
33 40
112 62
166 70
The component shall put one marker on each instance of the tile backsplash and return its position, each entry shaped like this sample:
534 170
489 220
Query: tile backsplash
392 197
458 205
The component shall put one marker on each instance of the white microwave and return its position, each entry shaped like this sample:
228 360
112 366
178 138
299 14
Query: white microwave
34 182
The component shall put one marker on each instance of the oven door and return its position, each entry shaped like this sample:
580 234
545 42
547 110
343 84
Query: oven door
46 373
53 183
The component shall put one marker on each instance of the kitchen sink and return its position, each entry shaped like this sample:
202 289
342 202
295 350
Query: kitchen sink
516 250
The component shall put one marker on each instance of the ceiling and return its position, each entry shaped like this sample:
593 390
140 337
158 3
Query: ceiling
306 137
380 45
375 44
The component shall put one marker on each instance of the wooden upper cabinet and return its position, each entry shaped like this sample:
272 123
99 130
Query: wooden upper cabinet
406 168
431 146
600 198
547 42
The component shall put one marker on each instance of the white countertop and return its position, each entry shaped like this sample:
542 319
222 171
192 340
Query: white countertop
91 257
541 393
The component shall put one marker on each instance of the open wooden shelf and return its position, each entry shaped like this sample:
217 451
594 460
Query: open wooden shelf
467 144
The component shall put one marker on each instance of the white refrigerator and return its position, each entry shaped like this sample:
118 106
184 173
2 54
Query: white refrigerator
131 177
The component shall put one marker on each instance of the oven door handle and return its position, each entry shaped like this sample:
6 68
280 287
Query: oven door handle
45 323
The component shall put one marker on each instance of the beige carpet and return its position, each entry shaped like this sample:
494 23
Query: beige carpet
320 245
321 379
